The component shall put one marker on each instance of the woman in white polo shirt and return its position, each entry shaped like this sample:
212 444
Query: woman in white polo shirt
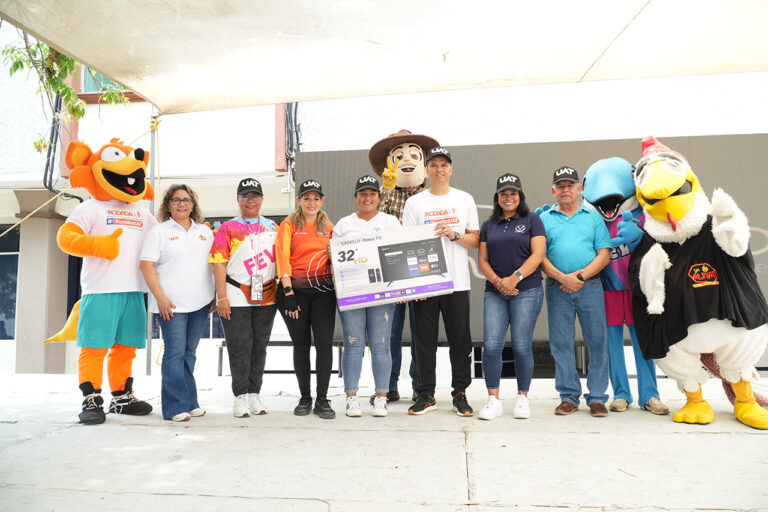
174 261
374 322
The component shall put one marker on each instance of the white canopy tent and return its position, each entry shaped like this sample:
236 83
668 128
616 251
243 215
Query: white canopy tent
187 55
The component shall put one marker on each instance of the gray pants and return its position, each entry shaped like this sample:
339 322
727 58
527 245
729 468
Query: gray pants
247 334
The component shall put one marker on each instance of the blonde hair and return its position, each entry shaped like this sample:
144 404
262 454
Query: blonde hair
164 212
321 222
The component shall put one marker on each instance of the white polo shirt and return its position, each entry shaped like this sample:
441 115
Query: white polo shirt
182 264
354 224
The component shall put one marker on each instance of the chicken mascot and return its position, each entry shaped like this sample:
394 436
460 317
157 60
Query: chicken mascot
695 288
107 231
609 187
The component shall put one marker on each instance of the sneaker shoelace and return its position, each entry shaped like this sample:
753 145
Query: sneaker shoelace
90 401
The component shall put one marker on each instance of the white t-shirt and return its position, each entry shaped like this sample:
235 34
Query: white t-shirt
352 224
122 274
456 208
182 264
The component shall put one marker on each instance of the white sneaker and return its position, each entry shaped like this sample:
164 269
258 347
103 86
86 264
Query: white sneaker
380 406
255 404
522 409
353 407
240 407
182 416
197 412
492 409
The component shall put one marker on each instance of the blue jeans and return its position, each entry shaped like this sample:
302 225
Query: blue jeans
562 309
396 346
376 321
181 334
520 313
646 369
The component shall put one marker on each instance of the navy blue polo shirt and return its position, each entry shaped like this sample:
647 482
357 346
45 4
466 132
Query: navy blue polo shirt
509 244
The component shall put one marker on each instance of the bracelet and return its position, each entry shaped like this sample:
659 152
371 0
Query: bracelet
496 280
221 299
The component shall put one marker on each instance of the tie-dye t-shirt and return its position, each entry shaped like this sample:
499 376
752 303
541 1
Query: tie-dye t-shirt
248 248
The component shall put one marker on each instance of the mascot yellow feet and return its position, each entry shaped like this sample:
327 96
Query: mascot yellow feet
746 408
69 331
697 410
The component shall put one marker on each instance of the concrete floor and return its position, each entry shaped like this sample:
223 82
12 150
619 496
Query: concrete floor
437 462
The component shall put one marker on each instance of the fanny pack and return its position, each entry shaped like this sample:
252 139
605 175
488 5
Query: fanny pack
246 289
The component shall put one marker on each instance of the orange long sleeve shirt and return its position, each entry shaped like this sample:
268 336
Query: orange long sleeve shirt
302 254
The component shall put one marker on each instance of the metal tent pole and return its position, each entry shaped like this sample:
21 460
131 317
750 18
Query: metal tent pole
153 138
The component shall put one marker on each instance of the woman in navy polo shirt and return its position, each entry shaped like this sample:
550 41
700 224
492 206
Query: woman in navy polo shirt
512 246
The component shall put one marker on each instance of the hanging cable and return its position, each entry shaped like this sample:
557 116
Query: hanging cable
292 139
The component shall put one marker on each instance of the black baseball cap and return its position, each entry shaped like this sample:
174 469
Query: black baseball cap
310 186
367 181
565 173
508 180
249 185
438 151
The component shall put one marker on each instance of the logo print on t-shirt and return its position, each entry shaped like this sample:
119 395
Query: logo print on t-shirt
703 274
520 228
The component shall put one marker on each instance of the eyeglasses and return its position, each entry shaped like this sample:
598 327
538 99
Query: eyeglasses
249 197
179 200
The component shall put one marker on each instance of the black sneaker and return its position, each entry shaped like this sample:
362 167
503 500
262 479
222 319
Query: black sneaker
304 406
460 404
323 409
93 412
123 402
423 405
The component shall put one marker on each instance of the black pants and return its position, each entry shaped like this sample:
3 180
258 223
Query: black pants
455 310
317 319
247 333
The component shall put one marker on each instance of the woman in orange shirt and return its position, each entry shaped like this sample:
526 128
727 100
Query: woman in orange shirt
306 297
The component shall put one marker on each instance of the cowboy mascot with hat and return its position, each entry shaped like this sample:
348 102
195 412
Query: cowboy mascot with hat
399 160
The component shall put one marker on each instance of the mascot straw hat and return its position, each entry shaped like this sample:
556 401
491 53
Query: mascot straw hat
378 153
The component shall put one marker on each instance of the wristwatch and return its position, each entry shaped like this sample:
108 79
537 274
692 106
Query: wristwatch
518 274
580 277
458 235
287 289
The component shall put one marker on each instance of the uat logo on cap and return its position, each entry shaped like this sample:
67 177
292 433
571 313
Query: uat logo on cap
311 183
367 179
249 183
564 170
507 179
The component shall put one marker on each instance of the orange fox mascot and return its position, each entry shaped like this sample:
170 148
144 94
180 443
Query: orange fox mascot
107 231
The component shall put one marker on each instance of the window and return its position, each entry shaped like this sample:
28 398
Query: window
93 81
9 267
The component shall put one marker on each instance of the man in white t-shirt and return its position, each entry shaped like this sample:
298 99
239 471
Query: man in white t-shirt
454 215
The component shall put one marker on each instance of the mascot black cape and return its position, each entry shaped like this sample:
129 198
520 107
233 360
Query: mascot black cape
108 231
696 295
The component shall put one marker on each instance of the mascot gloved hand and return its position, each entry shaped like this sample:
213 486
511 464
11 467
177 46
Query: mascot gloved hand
696 295
609 187
108 231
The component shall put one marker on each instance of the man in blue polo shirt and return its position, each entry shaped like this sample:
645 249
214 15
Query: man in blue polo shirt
578 247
